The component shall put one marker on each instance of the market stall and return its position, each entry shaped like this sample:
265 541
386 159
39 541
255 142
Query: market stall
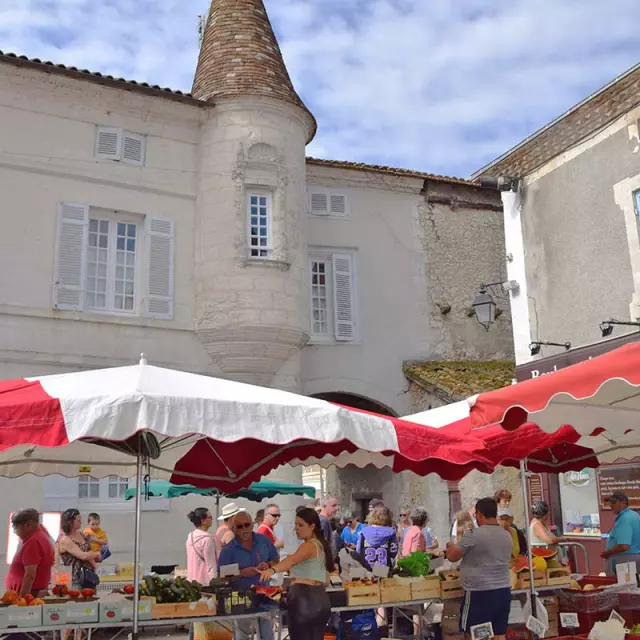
143 420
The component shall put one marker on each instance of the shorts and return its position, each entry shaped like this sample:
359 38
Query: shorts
492 606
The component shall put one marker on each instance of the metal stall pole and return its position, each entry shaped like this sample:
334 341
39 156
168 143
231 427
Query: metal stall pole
525 496
136 550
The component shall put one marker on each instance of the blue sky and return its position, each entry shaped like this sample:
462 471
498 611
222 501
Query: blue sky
436 85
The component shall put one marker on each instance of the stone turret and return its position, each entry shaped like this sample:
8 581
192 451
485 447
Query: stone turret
251 278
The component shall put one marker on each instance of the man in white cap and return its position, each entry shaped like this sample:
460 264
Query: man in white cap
224 533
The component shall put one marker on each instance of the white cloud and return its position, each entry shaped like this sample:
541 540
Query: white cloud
438 85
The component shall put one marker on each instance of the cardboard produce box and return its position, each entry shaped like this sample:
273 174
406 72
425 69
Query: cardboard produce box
82 612
54 613
20 617
121 610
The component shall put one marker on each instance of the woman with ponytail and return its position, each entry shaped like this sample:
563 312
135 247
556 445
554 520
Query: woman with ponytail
309 568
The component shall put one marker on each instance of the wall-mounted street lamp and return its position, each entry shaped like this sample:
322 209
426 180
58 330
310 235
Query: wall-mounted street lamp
537 345
484 305
606 326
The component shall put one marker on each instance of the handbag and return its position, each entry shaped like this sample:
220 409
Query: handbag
88 578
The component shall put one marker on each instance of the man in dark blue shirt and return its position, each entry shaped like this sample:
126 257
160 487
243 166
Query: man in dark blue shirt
252 552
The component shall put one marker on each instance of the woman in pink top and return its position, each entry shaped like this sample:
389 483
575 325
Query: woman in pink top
413 539
201 548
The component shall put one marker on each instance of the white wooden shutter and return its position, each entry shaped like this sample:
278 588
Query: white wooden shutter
159 275
133 148
109 143
319 202
343 296
71 251
338 205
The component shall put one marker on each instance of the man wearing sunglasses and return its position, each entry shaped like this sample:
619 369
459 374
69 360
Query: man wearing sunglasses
252 552
272 517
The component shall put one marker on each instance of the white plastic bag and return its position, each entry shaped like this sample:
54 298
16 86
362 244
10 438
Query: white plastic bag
610 630
541 613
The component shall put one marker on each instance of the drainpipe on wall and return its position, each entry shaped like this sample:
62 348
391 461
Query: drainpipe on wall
510 192
516 270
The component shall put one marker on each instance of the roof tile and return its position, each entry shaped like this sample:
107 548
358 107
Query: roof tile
239 43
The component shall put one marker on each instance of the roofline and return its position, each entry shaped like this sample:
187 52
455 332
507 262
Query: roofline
534 135
394 171
99 78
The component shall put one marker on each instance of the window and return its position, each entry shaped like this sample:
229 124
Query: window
112 262
323 202
579 499
259 217
117 487
331 290
88 488
111 265
119 145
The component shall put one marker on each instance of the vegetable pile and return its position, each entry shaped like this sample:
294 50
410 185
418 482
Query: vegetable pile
167 591
415 565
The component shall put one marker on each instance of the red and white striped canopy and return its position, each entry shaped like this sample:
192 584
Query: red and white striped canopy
545 452
207 431
599 398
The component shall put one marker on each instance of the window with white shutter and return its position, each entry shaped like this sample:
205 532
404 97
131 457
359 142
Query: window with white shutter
114 143
70 264
343 296
133 148
325 202
108 143
332 295
159 297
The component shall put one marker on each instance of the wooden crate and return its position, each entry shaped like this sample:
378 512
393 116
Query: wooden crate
182 610
558 575
451 587
394 590
362 594
524 579
425 588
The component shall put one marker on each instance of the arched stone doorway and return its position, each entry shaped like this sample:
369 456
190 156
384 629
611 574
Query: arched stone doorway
356 401
355 487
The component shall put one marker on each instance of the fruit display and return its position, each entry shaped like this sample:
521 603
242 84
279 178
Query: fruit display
273 593
519 564
13 598
539 564
167 591
544 552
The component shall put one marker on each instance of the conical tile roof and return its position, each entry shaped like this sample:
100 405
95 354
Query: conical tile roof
240 56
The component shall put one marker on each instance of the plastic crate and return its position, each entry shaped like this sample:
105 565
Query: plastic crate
574 601
629 607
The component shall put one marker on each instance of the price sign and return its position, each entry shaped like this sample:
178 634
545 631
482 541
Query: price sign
626 573
536 627
380 571
569 620
616 616
482 631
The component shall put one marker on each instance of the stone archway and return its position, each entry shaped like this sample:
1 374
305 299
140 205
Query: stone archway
352 486
356 401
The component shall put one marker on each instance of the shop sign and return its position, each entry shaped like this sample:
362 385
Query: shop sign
536 490
543 366
621 477
578 478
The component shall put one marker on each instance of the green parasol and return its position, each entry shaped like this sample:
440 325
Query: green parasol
256 492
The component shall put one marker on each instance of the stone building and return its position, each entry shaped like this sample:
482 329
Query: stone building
571 207
192 228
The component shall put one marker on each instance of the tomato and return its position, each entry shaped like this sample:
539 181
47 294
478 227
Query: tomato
129 589
73 594
88 593
28 598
